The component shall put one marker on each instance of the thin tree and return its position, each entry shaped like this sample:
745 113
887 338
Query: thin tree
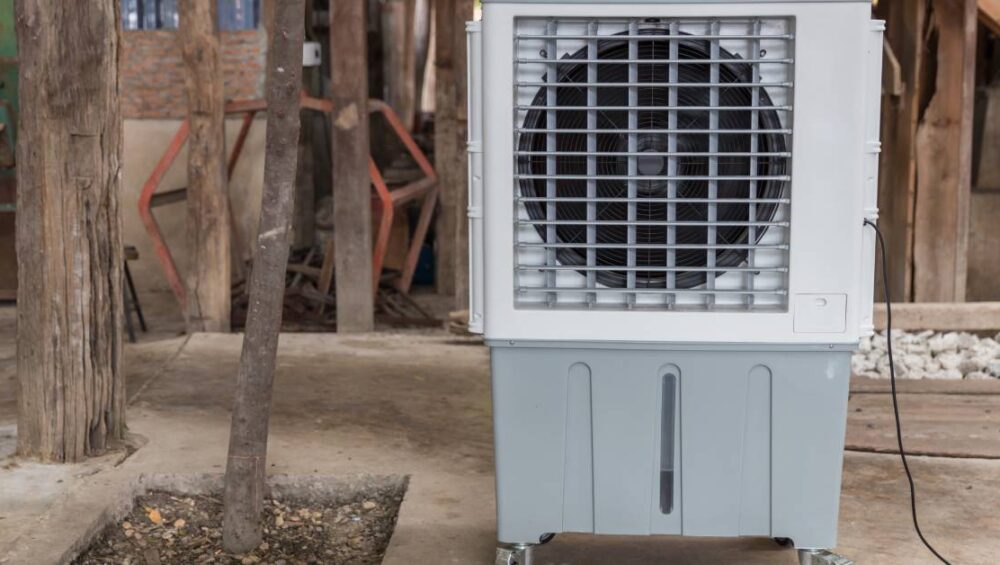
69 251
246 464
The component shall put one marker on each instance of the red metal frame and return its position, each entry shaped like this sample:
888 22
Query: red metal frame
384 199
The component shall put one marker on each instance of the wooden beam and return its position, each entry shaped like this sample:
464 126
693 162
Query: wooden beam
445 148
942 316
209 275
989 14
69 243
464 10
351 183
944 159
398 59
905 38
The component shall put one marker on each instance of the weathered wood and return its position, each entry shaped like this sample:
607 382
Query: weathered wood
943 316
905 37
989 14
944 159
463 13
352 232
936 424
421 45
445 146
208 235
70 297
246 463
398 60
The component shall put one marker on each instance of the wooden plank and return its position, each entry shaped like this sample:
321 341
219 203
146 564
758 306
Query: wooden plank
867 385
209 275
943 316
905 25
69 241
246 463
352 220
934 424
445 146
944 159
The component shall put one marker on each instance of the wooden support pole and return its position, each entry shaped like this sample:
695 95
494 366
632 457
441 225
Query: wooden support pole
463 12
246 463
398 58
351 184
208 236
445 149
905 37
450 126
69 250
944 159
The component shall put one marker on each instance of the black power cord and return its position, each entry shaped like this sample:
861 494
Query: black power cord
895 404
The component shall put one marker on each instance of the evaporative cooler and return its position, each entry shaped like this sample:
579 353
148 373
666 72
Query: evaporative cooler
669 261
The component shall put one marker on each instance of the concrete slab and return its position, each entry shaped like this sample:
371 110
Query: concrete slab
418 404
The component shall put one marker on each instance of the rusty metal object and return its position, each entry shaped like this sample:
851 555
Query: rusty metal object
385 200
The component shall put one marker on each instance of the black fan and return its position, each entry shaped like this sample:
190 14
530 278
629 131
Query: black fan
657 47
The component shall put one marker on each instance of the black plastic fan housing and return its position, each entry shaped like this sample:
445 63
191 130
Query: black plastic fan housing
611 140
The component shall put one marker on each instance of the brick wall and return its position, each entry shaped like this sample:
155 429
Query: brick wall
153 71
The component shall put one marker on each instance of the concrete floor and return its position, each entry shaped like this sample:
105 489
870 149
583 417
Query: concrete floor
418 404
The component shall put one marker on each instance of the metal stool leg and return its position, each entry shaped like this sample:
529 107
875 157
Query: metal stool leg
135 298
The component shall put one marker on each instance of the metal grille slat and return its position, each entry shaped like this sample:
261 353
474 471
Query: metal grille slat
591 162
652 162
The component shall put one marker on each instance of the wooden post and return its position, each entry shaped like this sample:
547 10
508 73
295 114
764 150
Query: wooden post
906 24
209 274
463 13
944 159
246 464
351 183
444 146
69 249
398 58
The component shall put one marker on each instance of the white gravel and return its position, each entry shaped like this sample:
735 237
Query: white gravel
930 355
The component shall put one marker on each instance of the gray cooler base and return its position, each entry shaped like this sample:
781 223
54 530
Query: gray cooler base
640 440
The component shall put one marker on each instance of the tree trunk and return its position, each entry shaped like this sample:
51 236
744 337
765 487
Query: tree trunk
209 275
245 466
352 185
69 249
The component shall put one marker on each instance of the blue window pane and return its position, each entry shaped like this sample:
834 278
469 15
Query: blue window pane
162 14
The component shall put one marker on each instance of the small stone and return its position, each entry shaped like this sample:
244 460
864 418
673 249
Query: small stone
126 525
368 505
279 521
949 360
179 523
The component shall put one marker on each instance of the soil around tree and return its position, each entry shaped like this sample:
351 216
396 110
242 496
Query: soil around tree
165 528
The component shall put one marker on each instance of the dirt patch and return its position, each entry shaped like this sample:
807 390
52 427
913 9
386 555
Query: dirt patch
165 528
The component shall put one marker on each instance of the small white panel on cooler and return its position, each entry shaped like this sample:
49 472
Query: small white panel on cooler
820 313
311 54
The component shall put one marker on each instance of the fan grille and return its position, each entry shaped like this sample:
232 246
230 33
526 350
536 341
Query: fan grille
653 160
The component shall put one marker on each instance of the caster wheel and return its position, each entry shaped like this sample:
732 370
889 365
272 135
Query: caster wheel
821 557
784 542
514 555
